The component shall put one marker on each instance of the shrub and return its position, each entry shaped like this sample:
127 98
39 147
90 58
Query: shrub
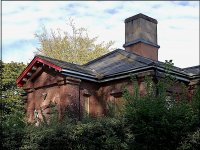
104 133
12 131
157 122
191 142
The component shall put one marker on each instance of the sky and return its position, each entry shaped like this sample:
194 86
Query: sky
178 25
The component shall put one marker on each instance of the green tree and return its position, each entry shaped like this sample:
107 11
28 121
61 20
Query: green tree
12 106
10 92
73 46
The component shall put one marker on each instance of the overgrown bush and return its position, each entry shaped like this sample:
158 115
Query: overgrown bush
157 121
104 133
12 122
191 142
12 131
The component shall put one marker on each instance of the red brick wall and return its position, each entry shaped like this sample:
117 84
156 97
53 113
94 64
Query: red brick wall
66 92
100 95
50 87
145 50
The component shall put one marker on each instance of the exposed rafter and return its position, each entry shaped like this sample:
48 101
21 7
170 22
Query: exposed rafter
32 67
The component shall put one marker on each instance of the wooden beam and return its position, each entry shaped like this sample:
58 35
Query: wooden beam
29 74
24 79
34 68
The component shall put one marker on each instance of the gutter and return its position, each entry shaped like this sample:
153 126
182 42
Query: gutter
178 75
75 72
155 67
108 78
175 76
79 76
124 76
130 71
172 72
117 76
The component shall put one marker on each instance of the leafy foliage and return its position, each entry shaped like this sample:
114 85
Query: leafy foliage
156 122
105 133
10 92
12 106
191 142
72 46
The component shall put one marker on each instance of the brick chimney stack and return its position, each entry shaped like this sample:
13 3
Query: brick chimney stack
141 36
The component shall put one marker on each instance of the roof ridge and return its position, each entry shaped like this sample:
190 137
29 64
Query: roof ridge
101 57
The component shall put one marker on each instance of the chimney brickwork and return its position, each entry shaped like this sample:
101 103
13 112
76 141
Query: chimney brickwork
141 36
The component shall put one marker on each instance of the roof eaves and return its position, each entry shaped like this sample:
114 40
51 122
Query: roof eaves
31 64
77 73
173 68
192 67
193 70
69 66
80 76
173 72
125 75
130 71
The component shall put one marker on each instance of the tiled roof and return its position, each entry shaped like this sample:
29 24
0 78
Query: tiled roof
193 70
67 65
118 61
115 62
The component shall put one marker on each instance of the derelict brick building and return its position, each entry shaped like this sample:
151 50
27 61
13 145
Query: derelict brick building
88 88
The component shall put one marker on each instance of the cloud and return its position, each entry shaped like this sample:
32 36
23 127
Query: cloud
185 3
20 43
112 11
25 54
178 24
